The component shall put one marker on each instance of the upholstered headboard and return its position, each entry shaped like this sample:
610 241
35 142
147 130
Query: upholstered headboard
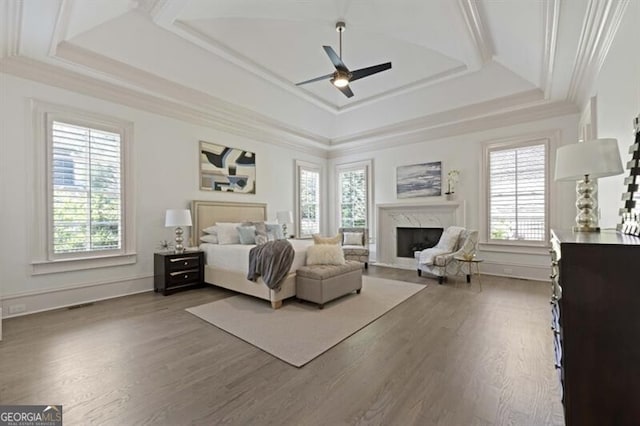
208 213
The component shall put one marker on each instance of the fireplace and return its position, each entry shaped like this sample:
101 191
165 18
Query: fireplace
417 214
410 240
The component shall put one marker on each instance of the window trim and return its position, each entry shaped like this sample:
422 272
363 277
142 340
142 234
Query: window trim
313 167
44 261
367 165
550 139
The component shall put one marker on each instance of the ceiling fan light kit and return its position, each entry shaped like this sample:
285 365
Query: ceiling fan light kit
341 77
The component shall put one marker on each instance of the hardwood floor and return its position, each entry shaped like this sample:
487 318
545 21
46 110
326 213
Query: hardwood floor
450 355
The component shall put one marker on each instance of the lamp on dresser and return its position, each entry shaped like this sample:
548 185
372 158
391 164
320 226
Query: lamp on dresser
583 162
178 218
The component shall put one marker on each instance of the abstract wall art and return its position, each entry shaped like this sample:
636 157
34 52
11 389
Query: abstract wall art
227 169
419 180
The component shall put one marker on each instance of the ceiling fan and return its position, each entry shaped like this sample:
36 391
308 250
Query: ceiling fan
341 77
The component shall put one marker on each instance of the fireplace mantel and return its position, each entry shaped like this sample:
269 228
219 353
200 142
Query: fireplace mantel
421 214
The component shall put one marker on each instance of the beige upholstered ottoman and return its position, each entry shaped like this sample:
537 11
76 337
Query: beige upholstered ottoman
323 283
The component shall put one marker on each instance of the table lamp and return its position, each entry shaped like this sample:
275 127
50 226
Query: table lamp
582 162
178 218
283 218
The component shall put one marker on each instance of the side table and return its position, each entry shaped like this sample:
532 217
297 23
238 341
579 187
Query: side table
469 264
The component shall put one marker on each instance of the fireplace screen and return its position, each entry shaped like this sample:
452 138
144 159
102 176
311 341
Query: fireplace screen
410 240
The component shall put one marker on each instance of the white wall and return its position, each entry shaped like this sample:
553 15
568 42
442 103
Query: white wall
618 101
465 154
165 176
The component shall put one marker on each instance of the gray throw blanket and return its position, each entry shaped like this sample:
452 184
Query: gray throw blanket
272 261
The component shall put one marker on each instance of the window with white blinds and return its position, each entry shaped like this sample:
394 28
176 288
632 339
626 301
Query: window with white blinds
353 196
308 194
86 190
517 196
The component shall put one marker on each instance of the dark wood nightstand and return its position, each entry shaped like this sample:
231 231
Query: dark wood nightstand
178 271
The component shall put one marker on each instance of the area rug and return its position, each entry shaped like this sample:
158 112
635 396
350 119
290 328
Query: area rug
299 332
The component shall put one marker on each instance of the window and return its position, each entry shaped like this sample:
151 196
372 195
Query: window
308 202
86 194
517 207
83 212
353 194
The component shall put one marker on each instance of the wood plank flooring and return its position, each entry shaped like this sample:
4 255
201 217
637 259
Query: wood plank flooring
450 355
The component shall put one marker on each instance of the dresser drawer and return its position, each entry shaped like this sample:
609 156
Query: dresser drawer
182 263
183 277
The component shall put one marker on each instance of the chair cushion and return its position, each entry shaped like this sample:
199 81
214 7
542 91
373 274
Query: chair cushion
428 256
357 250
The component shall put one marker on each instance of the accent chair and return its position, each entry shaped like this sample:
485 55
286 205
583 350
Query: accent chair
355 244
440 260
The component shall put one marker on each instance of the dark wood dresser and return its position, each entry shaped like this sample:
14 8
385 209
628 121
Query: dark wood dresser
596 326
178 271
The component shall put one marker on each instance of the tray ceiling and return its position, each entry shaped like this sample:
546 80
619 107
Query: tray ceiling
465 57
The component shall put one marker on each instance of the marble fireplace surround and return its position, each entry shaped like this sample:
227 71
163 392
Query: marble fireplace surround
424 214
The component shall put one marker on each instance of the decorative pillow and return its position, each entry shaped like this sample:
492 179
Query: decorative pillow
317 239
261 228
325 254
211 229
209 238
247 234
261 239
276 230
353 239
449 238
228 233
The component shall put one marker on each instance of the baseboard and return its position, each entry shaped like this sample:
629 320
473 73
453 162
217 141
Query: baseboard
516 270
500 269
57 298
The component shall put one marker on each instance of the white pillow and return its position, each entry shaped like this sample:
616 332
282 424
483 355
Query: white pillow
325 254
209 238
211 229
228 234
353 239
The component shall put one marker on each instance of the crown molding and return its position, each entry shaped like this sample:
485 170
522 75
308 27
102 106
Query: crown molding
165 12
449 116
600 24
247 124
12 28
477 30
175 91
61 28
187 32
551 16
384 140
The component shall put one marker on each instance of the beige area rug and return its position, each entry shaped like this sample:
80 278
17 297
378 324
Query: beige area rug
299 332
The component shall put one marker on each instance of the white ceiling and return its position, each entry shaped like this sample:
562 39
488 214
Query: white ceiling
452 59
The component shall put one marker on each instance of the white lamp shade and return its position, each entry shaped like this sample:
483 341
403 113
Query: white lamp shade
177 217
596 158
284 217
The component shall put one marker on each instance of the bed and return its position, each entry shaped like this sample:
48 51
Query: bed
227 265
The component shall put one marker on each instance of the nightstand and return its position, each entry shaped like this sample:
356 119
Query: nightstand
178 271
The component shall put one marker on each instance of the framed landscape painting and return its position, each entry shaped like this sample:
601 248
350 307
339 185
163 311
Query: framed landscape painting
419 180
227 169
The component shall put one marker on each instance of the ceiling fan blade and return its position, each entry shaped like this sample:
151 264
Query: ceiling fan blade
346 90
324 77
364 72
335 59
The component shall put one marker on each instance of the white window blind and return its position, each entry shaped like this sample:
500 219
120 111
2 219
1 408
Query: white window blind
309 198
517 193
352 185
86 194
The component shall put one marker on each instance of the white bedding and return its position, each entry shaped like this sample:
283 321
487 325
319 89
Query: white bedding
236 256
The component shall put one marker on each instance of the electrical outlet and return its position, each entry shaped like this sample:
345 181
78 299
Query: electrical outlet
508 271
16 309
